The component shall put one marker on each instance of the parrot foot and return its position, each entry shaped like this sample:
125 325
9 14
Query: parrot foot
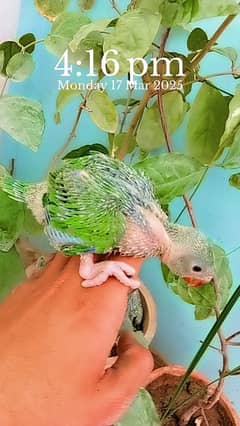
95 274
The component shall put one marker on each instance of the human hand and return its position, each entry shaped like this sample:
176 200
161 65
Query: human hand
55 338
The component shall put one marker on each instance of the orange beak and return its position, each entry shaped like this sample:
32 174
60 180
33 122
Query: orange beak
194 282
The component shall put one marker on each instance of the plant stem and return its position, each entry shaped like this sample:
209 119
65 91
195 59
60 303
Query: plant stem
212 333
71 136
115 7
126 110
24 48
134 122
212 41
4 86
164 124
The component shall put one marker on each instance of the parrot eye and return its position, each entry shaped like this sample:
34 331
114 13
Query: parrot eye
197 268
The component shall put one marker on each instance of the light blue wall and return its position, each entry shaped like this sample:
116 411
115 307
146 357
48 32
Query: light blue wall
216 205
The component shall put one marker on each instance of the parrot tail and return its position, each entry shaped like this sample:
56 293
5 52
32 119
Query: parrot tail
15 189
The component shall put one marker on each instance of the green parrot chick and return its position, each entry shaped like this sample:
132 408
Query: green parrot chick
98 205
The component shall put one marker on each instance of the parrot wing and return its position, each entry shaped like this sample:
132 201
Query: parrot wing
84 208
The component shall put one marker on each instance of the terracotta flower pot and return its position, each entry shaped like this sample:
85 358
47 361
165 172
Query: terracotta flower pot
149 322
177 371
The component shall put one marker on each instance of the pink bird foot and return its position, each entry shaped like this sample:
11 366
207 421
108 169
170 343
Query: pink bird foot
95 274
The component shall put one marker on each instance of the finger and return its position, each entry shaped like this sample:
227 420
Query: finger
131 372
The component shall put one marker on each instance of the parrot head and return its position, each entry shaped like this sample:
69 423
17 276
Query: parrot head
189 255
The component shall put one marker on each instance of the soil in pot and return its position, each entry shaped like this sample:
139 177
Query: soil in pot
162 391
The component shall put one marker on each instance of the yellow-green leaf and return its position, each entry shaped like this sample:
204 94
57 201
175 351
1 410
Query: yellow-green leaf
85 30
150 134
64 97
206 123
233 121
20 66
172 174
132 36
23 119
51 8
102 111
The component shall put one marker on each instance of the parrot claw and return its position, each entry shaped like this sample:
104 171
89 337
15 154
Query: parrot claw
95 274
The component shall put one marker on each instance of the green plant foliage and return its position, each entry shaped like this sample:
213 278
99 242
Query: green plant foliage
150 133
178 12
209 8
234 180
23 119
11 221
132 36
229 53
102 111
197 40
232 159
9 49
233 121
30 225
51 8
11 272
86 4
27 39
64 97
204 298
85 30
62 32
171 174
20 66
206 124
142 412
1 60
118 144
86 150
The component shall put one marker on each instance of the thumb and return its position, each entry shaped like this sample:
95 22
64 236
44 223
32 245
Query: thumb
120 384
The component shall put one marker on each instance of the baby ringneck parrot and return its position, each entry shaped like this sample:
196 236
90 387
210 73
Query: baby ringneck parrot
99 205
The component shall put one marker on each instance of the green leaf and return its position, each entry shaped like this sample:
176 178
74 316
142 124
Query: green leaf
87 150
102 111
131 37
172 174
150 134
118 144
204 298
64 97
233 120
9 49
11 221
27 39
1 60
30 224
23 120
142 412
123 101
234 180
206 124
51 8
86 4
223 275
178 12
62 32
197 40
85 30
20 66
228 52
232 159
209 8
202 312
11 272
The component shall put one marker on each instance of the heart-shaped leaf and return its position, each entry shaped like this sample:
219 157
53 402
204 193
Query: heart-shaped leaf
172 174
23 119
20 66
102 111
